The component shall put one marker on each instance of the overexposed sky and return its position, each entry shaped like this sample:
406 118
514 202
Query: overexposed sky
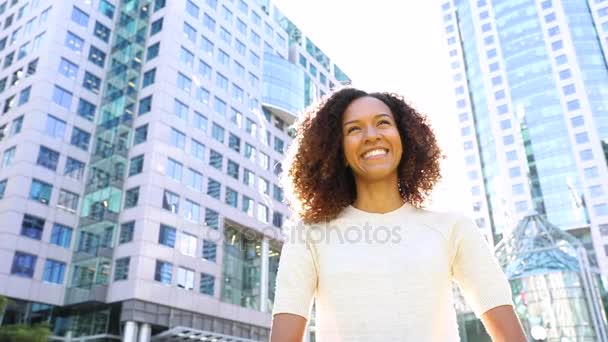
398 46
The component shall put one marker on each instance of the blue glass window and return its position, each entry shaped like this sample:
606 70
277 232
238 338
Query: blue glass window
53 271
553 31
511 155
32 226
74 42
24 264
486 27
546 4
491 53
591 172
505 124
207 284
494 66
569 89
517 189
462 117
581 138
550 17
573 105
80 17
499 95
163 272
577 121
557 45
62 97
586 154
61 235
565 74
514 172
166 235
508 139
496 80
561 59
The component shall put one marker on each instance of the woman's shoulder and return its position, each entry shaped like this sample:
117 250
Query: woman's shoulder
444 222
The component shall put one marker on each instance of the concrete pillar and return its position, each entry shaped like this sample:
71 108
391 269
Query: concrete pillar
130 332
264 276
145 332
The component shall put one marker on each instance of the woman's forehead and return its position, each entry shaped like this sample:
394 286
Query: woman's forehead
365 108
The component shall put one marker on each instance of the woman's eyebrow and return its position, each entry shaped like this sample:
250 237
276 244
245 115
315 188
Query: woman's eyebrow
378 115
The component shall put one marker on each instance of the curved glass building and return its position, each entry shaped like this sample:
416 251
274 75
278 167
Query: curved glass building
530 80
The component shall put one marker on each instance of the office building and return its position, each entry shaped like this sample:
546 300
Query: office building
140 143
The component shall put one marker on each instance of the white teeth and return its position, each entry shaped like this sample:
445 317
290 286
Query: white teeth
373 153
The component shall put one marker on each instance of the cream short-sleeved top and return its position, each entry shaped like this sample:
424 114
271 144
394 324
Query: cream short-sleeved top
387 277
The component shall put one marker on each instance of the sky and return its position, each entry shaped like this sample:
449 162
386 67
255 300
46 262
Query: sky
397 46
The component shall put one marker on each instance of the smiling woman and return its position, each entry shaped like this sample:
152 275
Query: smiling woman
377 265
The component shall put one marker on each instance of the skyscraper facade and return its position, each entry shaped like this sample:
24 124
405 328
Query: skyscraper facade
530 80
141 143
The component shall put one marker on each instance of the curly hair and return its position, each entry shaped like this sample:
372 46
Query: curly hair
317 183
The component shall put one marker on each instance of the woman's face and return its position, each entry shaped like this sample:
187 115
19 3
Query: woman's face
372 145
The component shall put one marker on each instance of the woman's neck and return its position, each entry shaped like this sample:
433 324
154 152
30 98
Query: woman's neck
378 197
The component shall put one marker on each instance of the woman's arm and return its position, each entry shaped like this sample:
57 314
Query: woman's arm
287 328
502 324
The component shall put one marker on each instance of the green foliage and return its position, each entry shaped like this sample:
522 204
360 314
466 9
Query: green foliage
25 333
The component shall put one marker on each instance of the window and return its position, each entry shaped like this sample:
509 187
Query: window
264 161
232 197
183 82
188 244
586 154
61 235
163 272
53 271
159 4
86 109
596 191
218 132
234 142
186 57
241 49
277 193
74 168
204 69
91 82
47 158
521 206
213 188
207 46
226 14
55 127
249 178
573 105
190 33
185 278
80 17
219 107
80 138
153 51
97 56
202 95
264 186
121 270
32 226
514 172
140 135
550 17
209 250
171 201
126 232
178 139
40 191
212 218
569 89
192 9
233 169
557 45
106 9
249 152
225 35
577 121
148 78
511 155
197 150
207 284
192 211
561 59
277 219
166 235
2 188
251 127
221 81
517 189
194 180
180 109
145 105
247 204
73 42
102 32
8 60
278 145
216 159
263 213
565 74
62 97
68 200
591 172
156 26
238 94
24 96
254 58
508 140
581 138
209 23
68 69
23 264
9 155
131 197
136 165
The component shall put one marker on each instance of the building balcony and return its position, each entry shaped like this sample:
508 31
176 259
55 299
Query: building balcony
283 91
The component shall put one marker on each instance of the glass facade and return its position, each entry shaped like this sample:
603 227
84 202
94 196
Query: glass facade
283 85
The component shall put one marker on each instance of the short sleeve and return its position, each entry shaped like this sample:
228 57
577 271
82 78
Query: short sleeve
296 275
476 270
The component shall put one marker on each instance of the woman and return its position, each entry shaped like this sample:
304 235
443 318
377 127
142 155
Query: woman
378 267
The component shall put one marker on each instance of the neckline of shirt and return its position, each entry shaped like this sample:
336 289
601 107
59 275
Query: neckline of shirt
350 209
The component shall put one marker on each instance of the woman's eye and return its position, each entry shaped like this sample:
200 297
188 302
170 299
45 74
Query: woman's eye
351 129
385 122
